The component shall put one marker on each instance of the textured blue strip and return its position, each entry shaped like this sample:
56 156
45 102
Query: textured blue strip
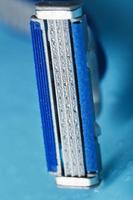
44 98
85 96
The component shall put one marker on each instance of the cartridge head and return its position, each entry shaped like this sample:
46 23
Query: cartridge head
65 94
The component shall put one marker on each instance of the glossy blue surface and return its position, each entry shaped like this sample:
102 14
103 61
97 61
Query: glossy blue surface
23 173
44 96
85 96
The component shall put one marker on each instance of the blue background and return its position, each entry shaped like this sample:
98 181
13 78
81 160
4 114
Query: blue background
23 174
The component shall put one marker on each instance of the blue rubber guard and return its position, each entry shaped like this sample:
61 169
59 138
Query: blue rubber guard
85 96
44 98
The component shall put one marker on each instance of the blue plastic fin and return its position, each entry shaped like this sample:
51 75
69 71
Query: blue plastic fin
85 96
44 97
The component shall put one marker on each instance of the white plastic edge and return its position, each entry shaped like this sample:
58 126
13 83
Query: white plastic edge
59 14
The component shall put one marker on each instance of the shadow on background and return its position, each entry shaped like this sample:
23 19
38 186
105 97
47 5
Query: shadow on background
113 20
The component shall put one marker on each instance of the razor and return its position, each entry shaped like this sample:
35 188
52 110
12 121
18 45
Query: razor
65 89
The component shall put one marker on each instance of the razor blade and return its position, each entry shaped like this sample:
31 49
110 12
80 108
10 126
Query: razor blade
59 35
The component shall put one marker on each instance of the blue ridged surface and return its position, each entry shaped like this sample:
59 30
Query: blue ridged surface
85 96
44 98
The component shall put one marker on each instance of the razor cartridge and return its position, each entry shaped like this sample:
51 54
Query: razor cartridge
59 35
